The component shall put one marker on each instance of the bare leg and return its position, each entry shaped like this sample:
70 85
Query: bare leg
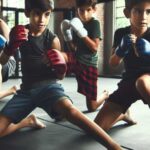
142 85
92 105
73 115
127 118
8 92
110 114
30 121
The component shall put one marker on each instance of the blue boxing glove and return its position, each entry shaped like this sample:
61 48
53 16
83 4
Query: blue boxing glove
2 42
143 47
123 49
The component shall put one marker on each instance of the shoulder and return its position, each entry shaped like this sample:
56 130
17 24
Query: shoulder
52 39
122 31
94 21
49 35
93 25
119 33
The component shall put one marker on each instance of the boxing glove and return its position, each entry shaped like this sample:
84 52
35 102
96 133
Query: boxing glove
66 30
78 28
17 36
2 42
143 47
123 49
57 63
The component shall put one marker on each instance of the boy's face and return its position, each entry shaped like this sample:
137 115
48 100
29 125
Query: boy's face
39 19
140 16
86 13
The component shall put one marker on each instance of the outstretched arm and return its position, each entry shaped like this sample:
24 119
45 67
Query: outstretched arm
4 31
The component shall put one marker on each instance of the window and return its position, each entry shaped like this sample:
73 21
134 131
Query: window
120 19
13 14
13 3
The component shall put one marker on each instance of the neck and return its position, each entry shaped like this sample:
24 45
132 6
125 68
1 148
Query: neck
138 32
35 32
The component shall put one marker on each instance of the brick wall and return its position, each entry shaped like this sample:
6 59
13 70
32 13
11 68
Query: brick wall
64 3
100 16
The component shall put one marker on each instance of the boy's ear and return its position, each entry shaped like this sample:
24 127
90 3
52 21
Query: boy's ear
126 13
27 13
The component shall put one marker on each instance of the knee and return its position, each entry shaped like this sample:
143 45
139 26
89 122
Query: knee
91 108
141 82
71 112
91 105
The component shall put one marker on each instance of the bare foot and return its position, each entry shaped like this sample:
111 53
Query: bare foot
34 122
104 96
13 89
127 118
92 105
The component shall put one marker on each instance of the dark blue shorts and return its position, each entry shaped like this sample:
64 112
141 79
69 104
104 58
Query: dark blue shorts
25 101
126 94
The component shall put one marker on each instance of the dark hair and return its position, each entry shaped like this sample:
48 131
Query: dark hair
43 5
80 3
129 4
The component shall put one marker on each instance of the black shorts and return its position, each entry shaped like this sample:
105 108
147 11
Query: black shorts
126 94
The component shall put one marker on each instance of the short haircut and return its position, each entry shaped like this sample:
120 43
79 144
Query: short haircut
129 4
80 3
43 5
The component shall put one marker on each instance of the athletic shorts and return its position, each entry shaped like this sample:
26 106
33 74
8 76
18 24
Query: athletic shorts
126 94
25 101
86 77
8 69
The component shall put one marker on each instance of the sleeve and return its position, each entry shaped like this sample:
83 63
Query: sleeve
95 30
117 38
49 38
52 36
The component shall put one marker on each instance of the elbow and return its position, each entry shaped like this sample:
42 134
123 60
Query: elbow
3 58
94 49
114 62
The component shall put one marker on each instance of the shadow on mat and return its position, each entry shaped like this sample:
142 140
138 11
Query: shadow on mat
117 128
87 112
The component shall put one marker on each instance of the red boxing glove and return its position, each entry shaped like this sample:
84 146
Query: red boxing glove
58 63
17 36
